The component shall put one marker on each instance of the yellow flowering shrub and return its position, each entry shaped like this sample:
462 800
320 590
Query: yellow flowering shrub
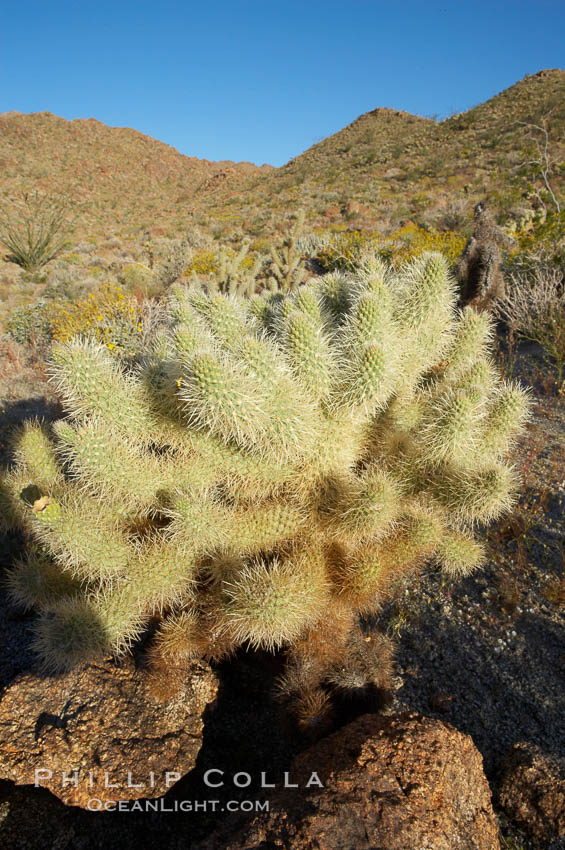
248 261
410 241
203 262
108 315
345 249
206 262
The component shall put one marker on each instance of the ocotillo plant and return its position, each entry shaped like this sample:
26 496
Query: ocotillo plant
267 474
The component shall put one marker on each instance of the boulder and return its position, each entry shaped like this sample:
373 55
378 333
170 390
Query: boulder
532 792
388 783
101 733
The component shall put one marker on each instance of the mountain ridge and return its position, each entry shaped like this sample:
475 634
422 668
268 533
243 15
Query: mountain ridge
384 167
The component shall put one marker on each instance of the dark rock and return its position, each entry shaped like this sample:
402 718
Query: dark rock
105 720
532 792
389 783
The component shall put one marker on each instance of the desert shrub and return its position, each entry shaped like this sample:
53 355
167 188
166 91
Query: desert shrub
33 231
66 282
112 243
139 280
412 241
98 263
31 324
21 375
534 308
455 217
539 238
85 247
271 471
260 245
202 263
108 315
196 238
346 250
138 277
152 318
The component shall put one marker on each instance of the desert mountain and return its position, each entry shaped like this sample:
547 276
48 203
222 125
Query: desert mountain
385 167
389 165
112 175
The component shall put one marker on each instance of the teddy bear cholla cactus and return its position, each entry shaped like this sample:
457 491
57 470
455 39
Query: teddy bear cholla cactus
269 472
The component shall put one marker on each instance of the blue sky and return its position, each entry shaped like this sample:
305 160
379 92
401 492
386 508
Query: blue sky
262 81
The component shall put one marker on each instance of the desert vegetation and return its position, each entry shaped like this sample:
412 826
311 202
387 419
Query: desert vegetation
245 412
534 309
33 231
264 473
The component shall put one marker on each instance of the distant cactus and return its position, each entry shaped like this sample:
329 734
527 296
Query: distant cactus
269 472
173 265
233 276
287 270
479 268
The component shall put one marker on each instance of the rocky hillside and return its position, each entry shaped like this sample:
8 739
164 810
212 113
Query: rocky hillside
389 165
114 177
385 167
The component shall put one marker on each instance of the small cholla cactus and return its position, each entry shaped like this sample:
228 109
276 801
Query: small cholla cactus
173 265
267 475
233 277
287 269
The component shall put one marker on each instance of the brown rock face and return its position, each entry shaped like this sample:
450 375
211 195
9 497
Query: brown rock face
532 791
81 733
389 783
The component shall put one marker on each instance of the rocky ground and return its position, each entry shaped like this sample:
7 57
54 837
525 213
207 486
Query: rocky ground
486 655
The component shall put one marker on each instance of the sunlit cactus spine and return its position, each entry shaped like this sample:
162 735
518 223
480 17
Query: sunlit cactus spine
269 472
